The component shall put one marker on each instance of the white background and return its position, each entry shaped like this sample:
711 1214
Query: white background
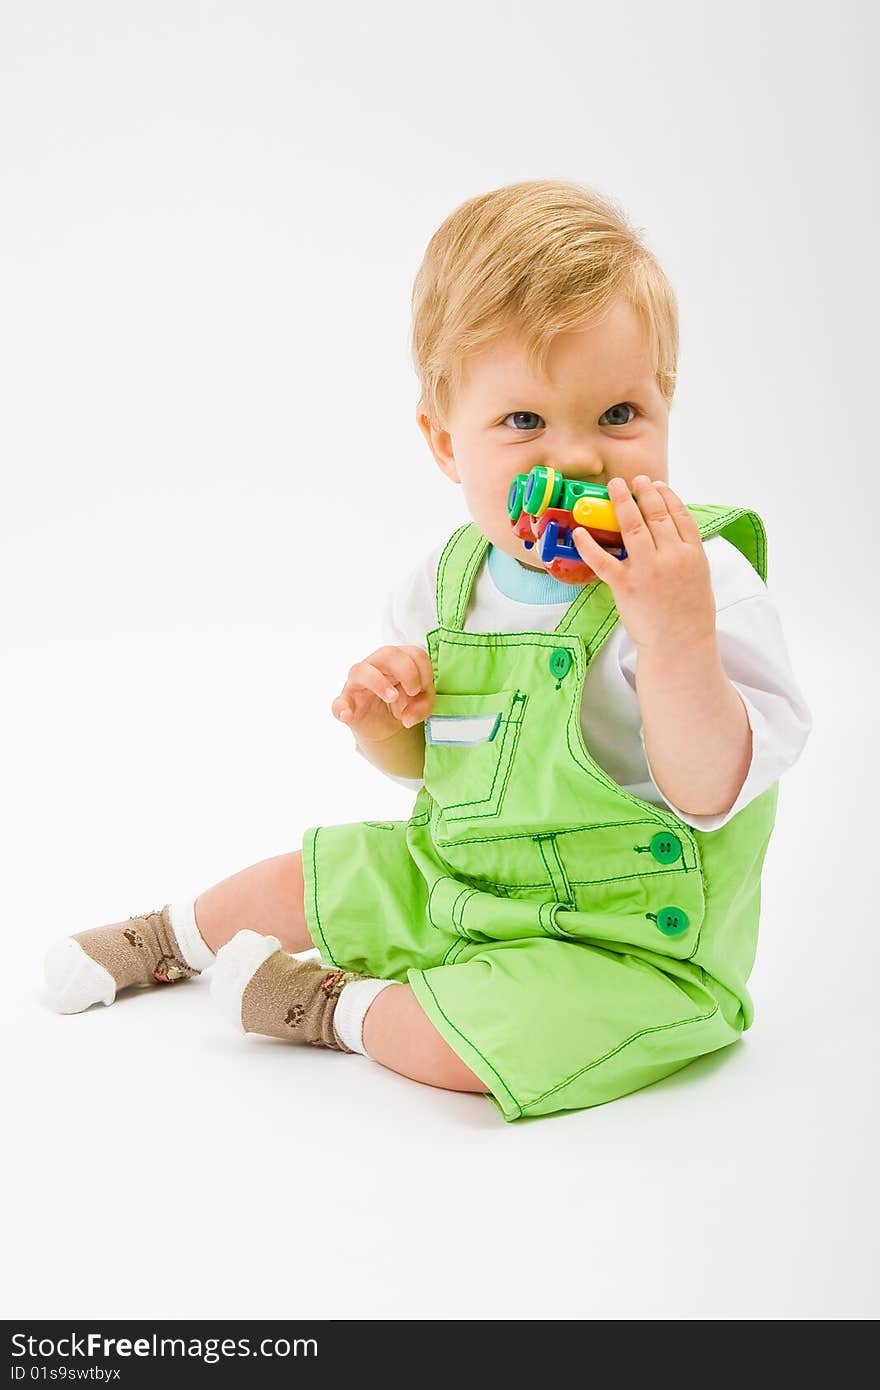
212 217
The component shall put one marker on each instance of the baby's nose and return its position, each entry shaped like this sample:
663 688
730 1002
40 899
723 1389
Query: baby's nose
577 450
579 461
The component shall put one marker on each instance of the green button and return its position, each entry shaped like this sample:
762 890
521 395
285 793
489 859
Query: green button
560 662
672 921
665 848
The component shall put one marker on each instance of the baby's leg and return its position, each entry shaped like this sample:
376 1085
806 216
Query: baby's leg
398 1033
266 898
179 940
262 990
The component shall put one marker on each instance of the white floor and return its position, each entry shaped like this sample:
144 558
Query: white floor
212 471
158 1165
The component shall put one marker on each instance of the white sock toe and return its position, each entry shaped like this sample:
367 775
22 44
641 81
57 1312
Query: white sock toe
234 965
74 980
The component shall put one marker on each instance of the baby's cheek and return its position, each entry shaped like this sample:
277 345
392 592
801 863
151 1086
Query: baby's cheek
484 499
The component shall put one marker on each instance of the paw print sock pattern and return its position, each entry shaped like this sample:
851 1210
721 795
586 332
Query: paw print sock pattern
295 1000
267 991
159 947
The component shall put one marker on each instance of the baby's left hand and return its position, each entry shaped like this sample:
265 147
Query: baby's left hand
662 589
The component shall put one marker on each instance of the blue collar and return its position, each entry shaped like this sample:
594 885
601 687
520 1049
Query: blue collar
518 582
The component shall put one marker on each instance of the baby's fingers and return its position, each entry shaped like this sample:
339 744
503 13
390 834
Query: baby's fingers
409 668
419 678
364 683
413 710
400 677
342 709
364 675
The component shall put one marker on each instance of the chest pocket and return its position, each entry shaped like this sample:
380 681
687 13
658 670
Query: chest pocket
470 741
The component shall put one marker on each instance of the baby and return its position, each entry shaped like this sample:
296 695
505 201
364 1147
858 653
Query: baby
571 910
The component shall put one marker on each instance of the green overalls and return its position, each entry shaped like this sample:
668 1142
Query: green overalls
571 942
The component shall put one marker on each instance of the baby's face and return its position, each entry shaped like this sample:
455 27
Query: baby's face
599 415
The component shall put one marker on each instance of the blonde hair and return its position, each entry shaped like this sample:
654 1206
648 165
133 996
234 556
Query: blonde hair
540 257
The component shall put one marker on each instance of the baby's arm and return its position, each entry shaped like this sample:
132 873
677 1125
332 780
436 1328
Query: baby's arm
401 755
755 660
698 739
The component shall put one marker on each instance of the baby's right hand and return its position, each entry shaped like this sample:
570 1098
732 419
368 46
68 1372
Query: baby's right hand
391 689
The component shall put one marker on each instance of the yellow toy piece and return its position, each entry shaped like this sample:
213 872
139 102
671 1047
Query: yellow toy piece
595 511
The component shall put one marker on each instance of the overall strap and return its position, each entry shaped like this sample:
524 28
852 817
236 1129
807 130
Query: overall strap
740 526
462 556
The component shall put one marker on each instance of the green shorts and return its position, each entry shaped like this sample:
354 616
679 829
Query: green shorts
546 1024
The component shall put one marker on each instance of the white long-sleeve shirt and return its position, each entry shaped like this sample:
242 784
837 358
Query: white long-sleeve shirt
508 597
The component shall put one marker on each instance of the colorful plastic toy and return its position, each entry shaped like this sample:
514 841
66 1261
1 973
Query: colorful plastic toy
544 507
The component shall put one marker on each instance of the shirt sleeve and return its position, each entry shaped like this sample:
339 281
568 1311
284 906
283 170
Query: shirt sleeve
756 661
410 609
408 615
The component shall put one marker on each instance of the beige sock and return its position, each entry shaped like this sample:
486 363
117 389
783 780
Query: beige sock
295 1000
140 951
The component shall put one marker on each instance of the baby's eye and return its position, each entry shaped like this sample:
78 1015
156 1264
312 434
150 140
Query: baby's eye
623 406
524 420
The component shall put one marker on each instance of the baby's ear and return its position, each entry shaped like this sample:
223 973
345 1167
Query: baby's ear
439 442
